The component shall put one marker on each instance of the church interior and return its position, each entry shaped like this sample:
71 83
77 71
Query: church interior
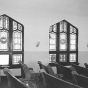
43 44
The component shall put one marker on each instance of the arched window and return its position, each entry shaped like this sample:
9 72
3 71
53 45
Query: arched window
11 42
63 43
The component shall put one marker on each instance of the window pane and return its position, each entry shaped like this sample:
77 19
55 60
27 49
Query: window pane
72 36
72 57
54 28
62 36
61 26
72 41
63 42
14 25
52 35
50 29
62 47
4 59
52 41
17 41
52 47
72 29
6 22
62 57
72 47
1 22
19 27
4 40
16 58
52 58
65 27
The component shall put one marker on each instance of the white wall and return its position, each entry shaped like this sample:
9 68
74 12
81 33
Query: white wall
38 15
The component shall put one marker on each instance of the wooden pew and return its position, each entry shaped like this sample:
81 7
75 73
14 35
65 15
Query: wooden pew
65 71
53 82
80 70
86 65
43 66
13 82
29 74
82 80
49 70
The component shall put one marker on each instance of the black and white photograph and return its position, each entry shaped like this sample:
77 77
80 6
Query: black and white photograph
43 44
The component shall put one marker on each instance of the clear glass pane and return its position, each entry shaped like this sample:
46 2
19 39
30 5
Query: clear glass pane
16 58
72 57
52 58
63 58
72 47
72 42
52 41
63 47
54 27
14 25
17 41
1 22
4 40
52 47
4 59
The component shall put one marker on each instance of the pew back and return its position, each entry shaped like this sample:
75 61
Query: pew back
80 70
42 66
53 82
82 81
47 68
13 82
65 71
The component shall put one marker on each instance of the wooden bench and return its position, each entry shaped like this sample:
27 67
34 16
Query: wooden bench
49 70
13 82
80 70
82 80
86 65
65 71
53 82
